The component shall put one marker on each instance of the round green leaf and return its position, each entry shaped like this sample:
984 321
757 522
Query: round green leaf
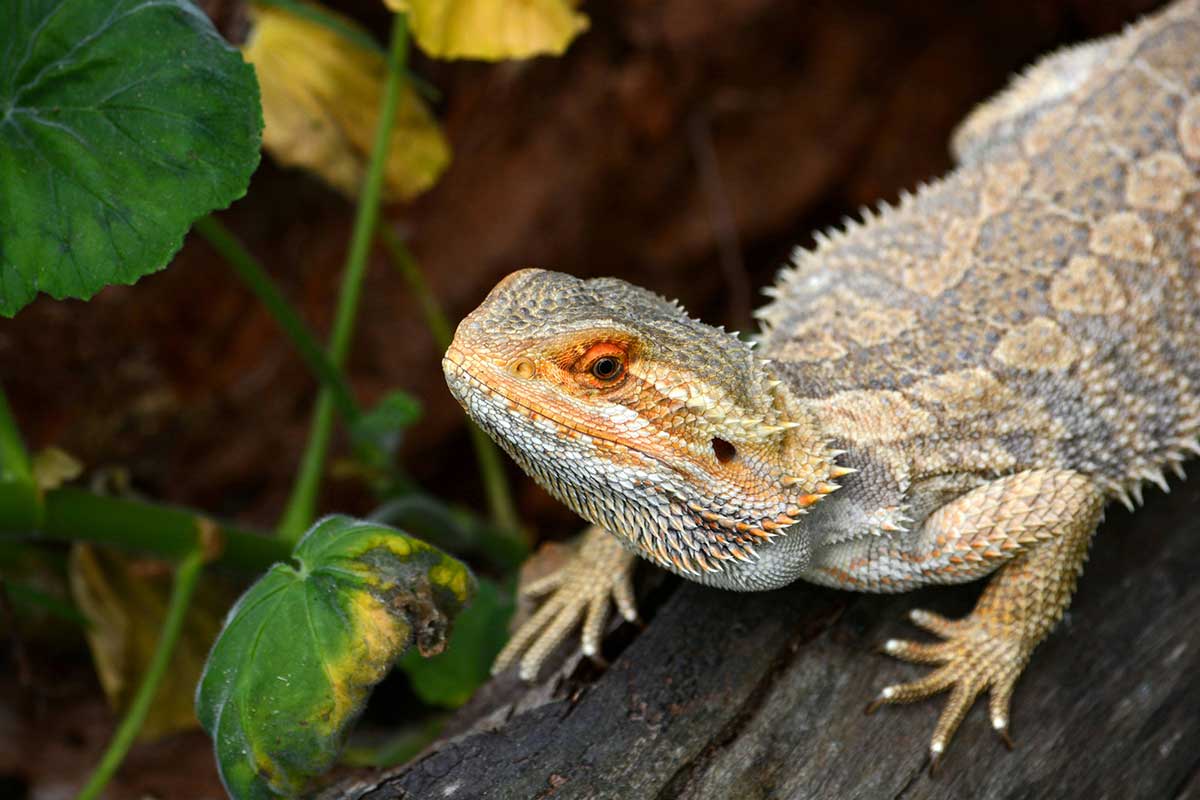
303 647
121 122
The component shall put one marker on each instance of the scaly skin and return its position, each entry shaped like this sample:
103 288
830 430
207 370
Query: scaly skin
952 388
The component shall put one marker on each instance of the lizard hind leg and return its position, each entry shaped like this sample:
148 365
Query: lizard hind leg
1039 523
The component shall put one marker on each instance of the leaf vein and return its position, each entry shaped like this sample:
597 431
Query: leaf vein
108 24
312 630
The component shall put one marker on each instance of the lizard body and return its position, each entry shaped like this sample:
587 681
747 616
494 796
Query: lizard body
951 388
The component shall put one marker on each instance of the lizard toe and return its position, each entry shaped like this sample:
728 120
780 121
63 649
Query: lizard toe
549 637
918 652
526 634
582 590
974 657
935 623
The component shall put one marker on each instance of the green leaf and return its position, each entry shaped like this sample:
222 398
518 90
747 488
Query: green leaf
380 428
121 122
303 647
449 678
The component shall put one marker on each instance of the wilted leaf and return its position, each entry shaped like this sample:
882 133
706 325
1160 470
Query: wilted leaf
125 607
320 95
121 122
303 647
449 678
492 30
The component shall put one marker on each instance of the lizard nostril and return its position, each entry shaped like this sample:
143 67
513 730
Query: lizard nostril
723 450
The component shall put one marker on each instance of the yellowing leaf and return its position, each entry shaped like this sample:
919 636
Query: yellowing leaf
53 467
320 99
305 645
492 30
125 603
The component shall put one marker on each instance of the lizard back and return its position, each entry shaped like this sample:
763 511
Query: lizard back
1040 305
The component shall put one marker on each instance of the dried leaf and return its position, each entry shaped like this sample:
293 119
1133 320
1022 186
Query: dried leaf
125 601
449 678
492 30
320 96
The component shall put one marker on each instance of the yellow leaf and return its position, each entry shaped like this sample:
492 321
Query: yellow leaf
125 602
492 30
320 100
53 467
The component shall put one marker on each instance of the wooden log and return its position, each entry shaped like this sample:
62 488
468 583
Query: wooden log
761 696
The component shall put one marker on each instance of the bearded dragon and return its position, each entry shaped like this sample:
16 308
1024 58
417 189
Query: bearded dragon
953 387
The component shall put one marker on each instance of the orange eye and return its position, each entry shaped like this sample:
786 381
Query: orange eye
603 365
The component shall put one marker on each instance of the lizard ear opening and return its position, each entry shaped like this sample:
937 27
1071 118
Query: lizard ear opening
723 450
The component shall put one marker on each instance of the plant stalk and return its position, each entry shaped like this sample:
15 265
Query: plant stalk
14 461
406 264
302 504
256 278
77 515
20 500
186 576
501 508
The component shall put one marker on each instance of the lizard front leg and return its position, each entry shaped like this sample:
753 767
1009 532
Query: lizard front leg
598 573
1035 526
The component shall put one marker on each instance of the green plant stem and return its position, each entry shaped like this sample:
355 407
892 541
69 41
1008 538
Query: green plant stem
78 515
303 501
311 12
406 263
501 508
256 278
14 461
186 576
20 499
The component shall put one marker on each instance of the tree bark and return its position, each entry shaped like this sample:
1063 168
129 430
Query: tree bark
761 696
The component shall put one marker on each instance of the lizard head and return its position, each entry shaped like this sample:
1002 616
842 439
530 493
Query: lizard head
664 430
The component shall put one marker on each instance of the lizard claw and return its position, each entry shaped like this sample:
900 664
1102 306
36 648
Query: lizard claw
600 572
975 656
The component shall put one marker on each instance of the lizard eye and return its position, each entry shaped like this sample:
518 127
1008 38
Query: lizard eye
603 366
607 368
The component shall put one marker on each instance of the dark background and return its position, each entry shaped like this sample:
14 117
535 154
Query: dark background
686 145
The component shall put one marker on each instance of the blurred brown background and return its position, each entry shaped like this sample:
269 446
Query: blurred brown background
686 145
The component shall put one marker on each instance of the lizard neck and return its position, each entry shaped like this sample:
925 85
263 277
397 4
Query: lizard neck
802 458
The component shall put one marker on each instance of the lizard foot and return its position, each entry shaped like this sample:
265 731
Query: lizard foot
976 654
599 572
